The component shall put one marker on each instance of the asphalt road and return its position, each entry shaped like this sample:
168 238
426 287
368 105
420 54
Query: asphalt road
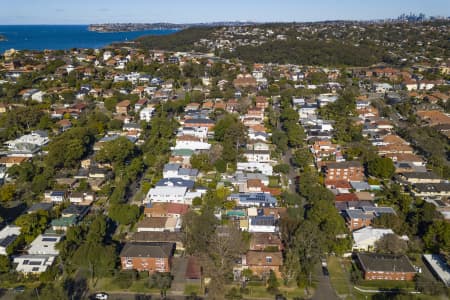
324 289
133 296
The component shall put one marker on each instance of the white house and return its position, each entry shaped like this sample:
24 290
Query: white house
258 146
7 236
38 96
382 87
45 244
173 170
29 144
365 238
257 155
262 224
175 194
146 114
307 111
193 145
199 132
33 264
264 168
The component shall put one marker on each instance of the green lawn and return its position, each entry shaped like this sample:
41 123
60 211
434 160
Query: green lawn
192 288
339 278
386 284
138 286
274 181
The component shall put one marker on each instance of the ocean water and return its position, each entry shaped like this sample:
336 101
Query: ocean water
62 37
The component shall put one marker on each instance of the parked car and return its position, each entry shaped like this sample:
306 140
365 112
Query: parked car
19 289
101 296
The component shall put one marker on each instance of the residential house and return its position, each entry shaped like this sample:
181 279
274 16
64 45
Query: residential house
261 262
33 264
176 171
28 145
244 81
264 168
349 170
176 237
166 224
377 266
45 244
257 156
420 177
146 114
253 199
123 107
439 267
166 210
7 236
55 196
263 224
431 189
263 241
362 217
150 257
365 238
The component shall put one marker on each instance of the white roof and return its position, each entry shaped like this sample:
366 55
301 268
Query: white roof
45 244
9 230
369 234
439 266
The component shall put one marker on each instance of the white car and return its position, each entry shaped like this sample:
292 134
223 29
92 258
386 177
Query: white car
101 296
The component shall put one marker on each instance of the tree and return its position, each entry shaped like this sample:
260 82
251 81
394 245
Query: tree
97 230
272 283
381 167
161 281
307 246
117 151
31 225
437 237
281 168
124 279
198 230
225 246
201 162
230 132
5 264
67 149
96 258
123 213
389 221
7 192
391 243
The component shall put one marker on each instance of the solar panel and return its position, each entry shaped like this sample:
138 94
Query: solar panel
49 239
34 263
8 240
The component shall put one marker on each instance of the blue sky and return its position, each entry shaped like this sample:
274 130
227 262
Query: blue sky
184 11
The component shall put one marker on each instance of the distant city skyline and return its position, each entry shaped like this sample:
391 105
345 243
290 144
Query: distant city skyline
178 11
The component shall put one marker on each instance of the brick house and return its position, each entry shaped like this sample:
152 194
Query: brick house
244 81
348 170
262 241
377 266
151 257
260 263
362 217
123 107
261 102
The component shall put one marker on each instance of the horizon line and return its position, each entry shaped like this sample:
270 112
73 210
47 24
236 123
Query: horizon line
211 22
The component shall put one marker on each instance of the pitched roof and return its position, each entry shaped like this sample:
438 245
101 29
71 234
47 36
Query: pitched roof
258 258
157 236
157 250
375 262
